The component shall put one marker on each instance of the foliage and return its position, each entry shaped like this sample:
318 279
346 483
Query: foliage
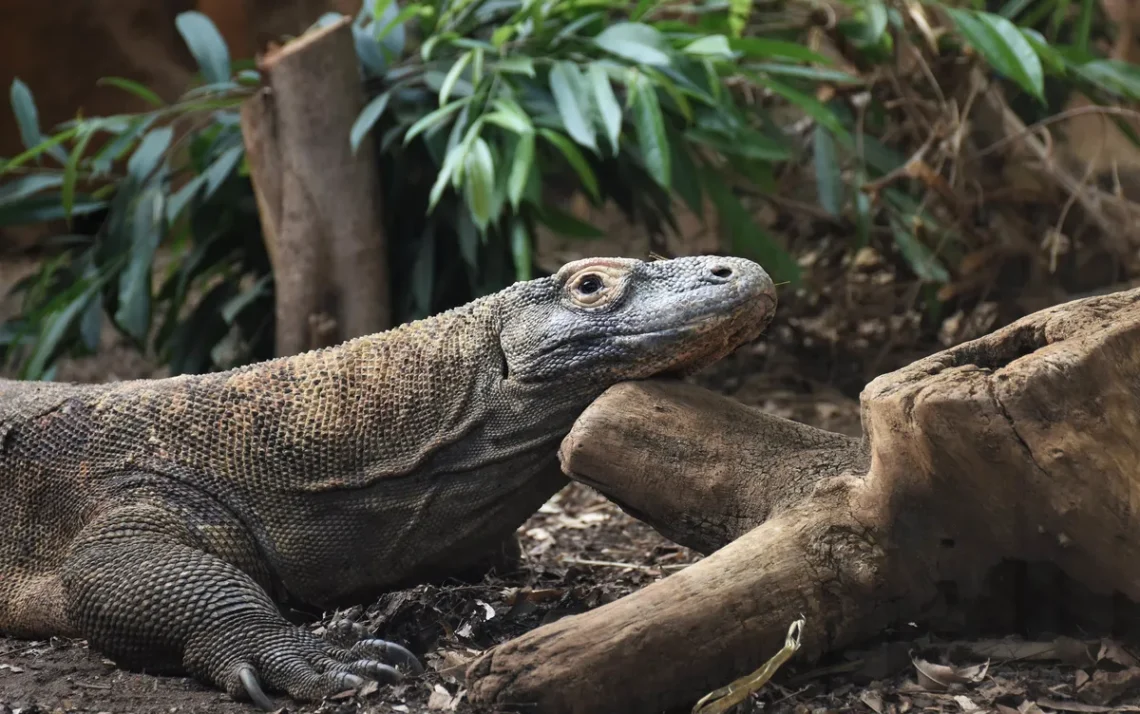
510 104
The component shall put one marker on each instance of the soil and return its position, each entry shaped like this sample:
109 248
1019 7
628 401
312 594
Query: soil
580 552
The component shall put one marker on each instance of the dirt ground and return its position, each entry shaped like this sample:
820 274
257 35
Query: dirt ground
580 552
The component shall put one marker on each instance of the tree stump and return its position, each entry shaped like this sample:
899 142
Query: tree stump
1024 444
319 202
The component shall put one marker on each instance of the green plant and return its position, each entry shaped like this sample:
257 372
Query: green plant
488 111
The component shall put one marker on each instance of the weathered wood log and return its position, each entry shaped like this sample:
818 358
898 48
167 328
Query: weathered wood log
319 202
1024 444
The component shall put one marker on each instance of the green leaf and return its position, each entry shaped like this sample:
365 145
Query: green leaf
127 85
606 101
206 44
747 143
149 152
479 181
920 258
575 159
1002 45
434 119
828 179
453 76
178 201
516 65
1116 76
28 120
520 249
876 23
19 188
133 314
71 173
806 102
49 145
222 167
235 305
521 167
650 125
451 162
748 239
762 47
710 46
636 42
686 180
566 85
814 74
738 13
56 327
367 119
511 117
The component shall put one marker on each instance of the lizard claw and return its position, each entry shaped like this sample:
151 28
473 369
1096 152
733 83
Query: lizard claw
248 678
391 652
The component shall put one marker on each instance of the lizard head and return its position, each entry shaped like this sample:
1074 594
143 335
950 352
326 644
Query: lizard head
614 319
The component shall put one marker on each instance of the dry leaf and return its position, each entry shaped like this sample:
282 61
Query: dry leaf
441 699
1063 649
1104 687
1114 652
1081 678
966 703
1069 706
941 677
873 700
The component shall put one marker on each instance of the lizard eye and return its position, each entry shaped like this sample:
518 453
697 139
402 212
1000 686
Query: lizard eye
592 287
589 284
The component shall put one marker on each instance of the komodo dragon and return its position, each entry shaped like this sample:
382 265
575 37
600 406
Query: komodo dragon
164 520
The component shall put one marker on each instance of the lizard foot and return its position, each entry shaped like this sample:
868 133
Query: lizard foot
307 668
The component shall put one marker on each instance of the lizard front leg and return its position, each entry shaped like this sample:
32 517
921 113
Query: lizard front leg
140 586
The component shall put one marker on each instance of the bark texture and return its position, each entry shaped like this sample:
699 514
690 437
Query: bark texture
1023 444
318 200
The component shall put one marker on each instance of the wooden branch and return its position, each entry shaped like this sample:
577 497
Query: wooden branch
318 200
1021 445
739 466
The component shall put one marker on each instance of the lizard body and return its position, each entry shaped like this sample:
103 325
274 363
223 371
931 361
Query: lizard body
165 520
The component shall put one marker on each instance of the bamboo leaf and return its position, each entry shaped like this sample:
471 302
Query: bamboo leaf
127 85
521 167
71 173
566 85
149 152
453 76
434 119
367 119
206 45
828 180
479 178
606 101
1003 46
575 159
133 313
520 249
710 46
636 42
651 136
28 122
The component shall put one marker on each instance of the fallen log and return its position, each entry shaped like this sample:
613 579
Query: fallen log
1023 444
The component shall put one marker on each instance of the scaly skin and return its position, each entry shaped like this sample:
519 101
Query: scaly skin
166 520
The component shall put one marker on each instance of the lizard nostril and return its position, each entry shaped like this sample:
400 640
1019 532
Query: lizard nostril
722 271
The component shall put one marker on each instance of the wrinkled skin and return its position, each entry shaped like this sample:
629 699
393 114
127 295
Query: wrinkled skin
167 520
